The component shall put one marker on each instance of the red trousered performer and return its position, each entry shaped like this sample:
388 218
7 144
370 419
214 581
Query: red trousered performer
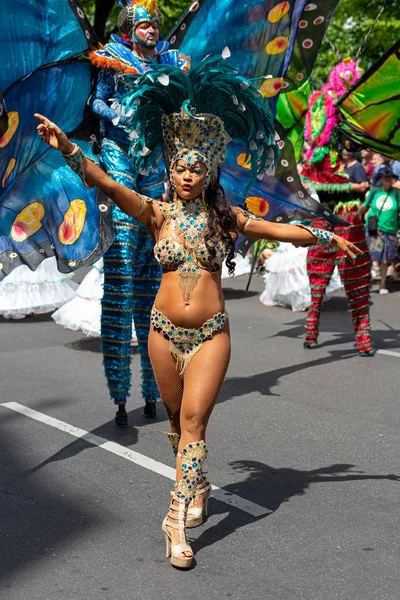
356 278
324 172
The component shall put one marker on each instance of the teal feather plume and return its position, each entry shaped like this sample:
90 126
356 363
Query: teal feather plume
212 87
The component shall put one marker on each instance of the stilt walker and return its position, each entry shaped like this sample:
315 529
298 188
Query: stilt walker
324 171
131 273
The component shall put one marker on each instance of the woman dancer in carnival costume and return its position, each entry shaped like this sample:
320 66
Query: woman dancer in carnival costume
324 171
195 113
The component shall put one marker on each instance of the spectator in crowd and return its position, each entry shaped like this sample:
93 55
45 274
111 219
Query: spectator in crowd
357 175
384 161
382 224
368 163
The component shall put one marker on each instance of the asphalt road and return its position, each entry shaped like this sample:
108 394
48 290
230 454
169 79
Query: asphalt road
311 438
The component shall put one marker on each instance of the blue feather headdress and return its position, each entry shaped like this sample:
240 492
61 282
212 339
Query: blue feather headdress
196 114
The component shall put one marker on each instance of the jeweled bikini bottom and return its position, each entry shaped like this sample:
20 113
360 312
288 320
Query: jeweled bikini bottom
185 343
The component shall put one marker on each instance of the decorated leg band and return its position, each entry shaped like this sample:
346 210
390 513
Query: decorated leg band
174 439
325 238
193 458
75 161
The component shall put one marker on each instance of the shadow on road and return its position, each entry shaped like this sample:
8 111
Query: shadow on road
92 344
262 383
270 487
35 518
233 294
342 332
233 387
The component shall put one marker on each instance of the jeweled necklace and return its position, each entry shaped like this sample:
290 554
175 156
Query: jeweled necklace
144 59
191 220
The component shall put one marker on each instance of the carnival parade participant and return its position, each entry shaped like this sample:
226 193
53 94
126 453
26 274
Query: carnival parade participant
382 223
189 341
286 281
24 292
83 311
324 171
131 273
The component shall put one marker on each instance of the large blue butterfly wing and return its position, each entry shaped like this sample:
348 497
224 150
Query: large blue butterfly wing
276 42
312 22
259 35
44 208
38 33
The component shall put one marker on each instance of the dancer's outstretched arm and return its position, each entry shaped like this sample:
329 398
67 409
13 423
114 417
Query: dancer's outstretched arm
128 201
299 235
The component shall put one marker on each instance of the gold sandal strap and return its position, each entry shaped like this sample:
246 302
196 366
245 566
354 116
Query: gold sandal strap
169 523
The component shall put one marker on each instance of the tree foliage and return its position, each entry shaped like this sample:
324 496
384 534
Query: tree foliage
350 24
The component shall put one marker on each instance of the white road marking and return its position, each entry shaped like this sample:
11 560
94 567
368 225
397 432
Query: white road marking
255 510
389 353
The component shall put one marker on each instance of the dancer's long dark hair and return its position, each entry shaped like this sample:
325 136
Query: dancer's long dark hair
221 222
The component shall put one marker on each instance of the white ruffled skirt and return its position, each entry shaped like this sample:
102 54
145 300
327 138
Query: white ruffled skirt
286 280
25 292
83 311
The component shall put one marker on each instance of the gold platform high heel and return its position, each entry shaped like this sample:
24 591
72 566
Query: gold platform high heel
193 457
195 515
177 511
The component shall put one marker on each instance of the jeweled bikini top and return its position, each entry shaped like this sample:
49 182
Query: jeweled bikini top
188 220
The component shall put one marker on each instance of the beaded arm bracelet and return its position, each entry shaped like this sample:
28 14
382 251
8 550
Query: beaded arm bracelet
325 238
75 162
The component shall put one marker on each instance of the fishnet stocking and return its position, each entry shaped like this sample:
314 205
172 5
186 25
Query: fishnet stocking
190 402
169 383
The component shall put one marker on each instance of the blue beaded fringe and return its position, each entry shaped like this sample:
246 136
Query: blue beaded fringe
131 281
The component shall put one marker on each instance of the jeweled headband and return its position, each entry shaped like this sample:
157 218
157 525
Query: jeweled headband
195 137
135 13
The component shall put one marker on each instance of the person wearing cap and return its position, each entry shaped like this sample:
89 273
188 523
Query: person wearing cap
385 161
382 223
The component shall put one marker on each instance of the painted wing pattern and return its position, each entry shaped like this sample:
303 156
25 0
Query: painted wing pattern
44 208
3 116
371 108
276 43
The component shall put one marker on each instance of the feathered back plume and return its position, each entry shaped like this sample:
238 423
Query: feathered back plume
210 89
150 5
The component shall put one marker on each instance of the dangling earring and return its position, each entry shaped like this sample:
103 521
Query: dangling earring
203 198
172 190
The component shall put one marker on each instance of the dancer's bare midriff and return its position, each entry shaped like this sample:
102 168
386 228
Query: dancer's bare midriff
194 312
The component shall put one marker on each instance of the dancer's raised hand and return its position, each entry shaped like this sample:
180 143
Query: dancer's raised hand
53 136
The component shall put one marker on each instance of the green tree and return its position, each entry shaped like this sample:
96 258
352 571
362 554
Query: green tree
172 10
350 24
